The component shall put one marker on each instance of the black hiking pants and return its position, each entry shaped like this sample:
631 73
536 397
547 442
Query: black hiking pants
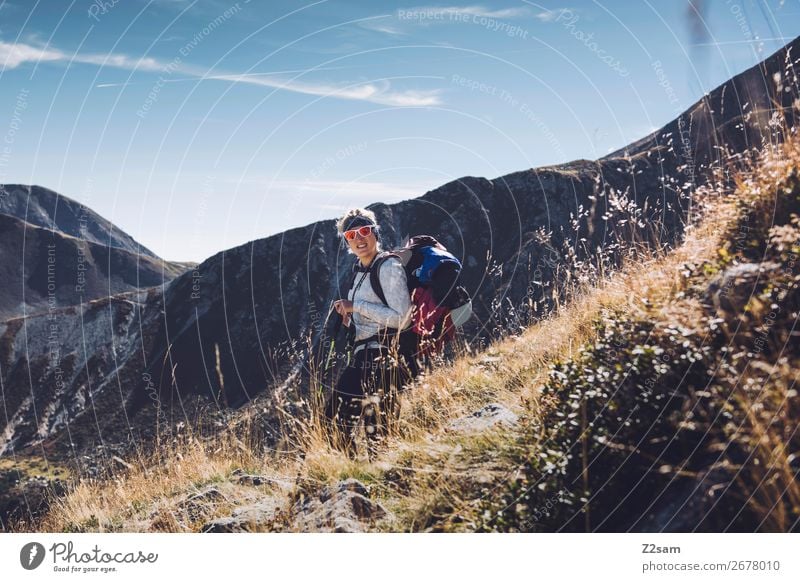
368 388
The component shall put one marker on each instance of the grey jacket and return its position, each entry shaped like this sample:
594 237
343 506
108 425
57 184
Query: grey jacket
369 312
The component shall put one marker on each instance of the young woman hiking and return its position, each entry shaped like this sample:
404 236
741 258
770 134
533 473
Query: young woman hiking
383 360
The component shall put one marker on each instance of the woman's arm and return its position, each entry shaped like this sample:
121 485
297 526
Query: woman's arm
393 281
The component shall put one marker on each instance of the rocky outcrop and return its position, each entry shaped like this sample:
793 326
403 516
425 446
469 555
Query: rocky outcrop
731 291
489 416
345 507
257 517
61 365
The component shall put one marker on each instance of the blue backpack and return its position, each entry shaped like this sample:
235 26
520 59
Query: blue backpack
433 277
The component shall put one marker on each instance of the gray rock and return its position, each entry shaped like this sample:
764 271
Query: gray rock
351 485
730 291
251 480
485 418
195 506
344 508
211 495
251 518
260 480
222 525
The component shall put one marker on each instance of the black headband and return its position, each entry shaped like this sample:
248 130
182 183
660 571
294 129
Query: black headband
359 221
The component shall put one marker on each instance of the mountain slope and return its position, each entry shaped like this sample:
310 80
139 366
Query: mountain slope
44 269
749 111
47 209
57 252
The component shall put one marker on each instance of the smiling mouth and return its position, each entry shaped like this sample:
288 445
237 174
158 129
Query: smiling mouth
361 246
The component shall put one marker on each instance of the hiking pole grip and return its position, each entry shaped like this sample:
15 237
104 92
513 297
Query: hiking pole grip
336 324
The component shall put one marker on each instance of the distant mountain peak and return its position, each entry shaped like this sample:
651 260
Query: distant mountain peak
45 208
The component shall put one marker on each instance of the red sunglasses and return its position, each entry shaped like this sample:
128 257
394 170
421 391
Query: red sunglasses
362 231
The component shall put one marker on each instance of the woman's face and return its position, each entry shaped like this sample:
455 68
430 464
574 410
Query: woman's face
364 247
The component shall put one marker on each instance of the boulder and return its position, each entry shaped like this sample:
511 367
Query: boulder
251 518
730 291
344 507
487 417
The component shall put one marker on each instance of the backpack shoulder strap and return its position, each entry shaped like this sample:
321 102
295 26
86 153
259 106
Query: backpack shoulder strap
374 275
353 275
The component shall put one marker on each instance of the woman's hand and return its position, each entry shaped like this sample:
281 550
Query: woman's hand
344 308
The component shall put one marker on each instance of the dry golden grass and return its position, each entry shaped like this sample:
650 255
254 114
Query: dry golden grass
769 482
148 497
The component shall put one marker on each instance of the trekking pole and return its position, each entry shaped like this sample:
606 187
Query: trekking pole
337 326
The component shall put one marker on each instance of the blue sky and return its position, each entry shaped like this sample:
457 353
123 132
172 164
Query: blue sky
198 125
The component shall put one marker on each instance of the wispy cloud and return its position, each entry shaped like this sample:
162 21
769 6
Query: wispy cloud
473 10
550 15
171 38
381 92
382 27
15 55
401 21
